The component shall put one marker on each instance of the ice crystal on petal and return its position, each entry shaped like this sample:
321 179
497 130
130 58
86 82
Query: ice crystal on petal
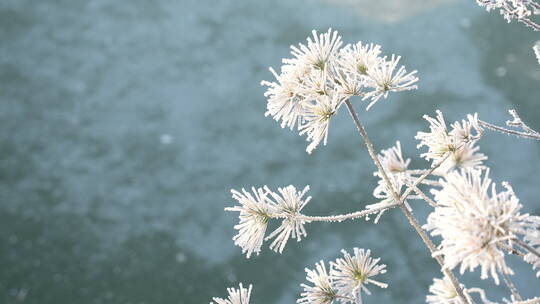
236 296
322 291
316 119
473 223
255 211
384 79
352 273
288 204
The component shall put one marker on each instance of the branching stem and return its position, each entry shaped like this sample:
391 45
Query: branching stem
424 197
517 122
511 286
410 217
525 246
349 216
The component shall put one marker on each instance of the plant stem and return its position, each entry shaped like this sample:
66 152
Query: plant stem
508 131
511 286
511 250
524 245
342 217
410 217
424 197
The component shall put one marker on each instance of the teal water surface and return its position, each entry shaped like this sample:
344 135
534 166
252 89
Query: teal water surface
124 125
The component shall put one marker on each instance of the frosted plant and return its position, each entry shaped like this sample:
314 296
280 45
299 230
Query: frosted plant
236 296
288 205
316 120
536 49
313 84
323 290
392 161
520 10
459 142
478 225
320 52
284 99
255 211
384 79
532 239
358 58
352 273
443 292
473 224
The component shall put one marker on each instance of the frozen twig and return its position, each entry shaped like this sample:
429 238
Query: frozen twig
410 217
349 216
511 286
527 132
424 196
525 246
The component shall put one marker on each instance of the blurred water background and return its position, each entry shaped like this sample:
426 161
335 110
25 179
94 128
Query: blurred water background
124 124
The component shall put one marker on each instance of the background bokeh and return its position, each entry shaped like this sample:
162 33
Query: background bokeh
124 124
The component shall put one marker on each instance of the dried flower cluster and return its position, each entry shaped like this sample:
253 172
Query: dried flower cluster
346 280
313 84
258 208
478 225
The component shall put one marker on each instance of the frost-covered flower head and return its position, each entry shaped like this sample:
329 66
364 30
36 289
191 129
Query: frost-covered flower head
358 58
460 141
313 84
443 292
322 291
348 84
255 211
288 204
284 98
258 208
352 273
236 296
392 161
319 52
316 120
383 79
466 156
473 222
